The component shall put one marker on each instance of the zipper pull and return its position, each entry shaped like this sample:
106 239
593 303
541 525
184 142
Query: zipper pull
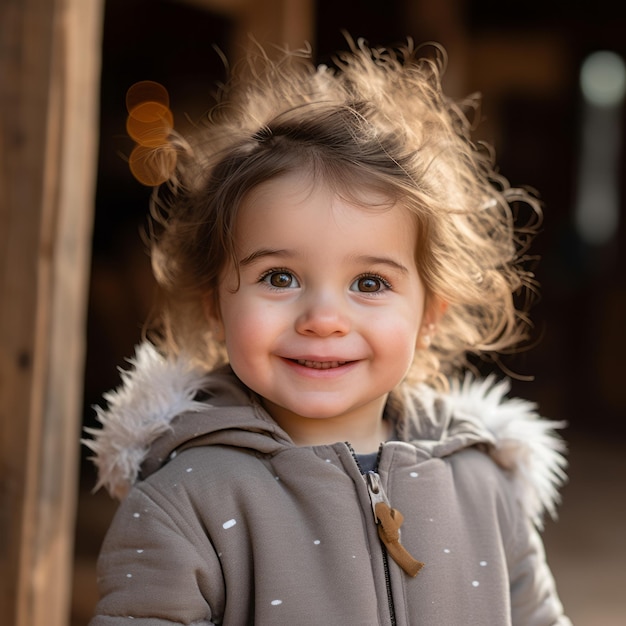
388 522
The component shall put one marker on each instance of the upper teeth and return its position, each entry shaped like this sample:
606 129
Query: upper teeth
320 365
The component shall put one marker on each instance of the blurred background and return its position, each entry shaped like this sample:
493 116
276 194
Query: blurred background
553 80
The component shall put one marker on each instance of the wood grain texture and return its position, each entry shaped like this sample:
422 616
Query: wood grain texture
49 78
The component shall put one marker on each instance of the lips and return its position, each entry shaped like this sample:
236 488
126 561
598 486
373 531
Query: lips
320 365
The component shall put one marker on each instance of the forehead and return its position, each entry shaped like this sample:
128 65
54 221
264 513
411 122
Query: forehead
303 210
300 184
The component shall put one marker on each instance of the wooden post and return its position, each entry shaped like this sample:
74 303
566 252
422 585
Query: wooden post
49 83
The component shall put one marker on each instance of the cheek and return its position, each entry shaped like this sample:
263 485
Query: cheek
247 328
394 333
237 326
403 342
248 341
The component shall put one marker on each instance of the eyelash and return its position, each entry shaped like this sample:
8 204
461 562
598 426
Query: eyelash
279 270
275 270
384 283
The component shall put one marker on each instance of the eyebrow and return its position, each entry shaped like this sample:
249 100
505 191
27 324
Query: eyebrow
383 260
367 259
263 252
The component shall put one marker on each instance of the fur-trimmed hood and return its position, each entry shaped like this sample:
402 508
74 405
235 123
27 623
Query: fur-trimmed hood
165 405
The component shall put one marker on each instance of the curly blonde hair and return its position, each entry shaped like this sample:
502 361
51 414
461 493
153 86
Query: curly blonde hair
376 119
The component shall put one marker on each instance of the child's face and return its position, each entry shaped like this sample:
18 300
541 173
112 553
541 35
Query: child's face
327 315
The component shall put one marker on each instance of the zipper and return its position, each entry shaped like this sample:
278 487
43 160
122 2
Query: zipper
376 495
388 522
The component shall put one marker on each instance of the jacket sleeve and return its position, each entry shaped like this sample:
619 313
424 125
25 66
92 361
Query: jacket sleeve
157 567
534 599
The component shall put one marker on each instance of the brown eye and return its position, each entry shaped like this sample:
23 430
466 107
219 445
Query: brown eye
281 280
369 284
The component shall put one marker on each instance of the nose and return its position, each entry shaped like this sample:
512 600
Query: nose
323 316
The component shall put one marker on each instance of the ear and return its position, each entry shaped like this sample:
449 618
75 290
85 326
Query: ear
212 313
433 311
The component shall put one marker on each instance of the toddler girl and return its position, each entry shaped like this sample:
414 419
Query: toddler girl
297 441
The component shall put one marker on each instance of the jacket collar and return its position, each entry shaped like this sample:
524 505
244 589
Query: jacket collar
165 404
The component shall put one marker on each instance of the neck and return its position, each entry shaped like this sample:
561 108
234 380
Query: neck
363 432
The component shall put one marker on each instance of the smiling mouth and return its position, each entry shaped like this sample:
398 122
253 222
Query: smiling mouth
320 365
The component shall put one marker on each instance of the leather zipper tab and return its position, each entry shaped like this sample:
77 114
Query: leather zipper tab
388 521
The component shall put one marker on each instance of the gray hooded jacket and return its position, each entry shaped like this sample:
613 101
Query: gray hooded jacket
224 520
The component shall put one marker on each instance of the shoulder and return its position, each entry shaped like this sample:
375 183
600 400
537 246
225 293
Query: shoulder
154 392
518 441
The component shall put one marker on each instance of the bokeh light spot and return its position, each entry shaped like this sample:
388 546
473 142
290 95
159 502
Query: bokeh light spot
152 166
603 78
150 124
146 91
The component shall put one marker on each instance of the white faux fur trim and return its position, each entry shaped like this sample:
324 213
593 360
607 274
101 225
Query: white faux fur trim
526 443
151 394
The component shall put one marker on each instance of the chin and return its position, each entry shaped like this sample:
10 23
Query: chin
317 414
313 411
